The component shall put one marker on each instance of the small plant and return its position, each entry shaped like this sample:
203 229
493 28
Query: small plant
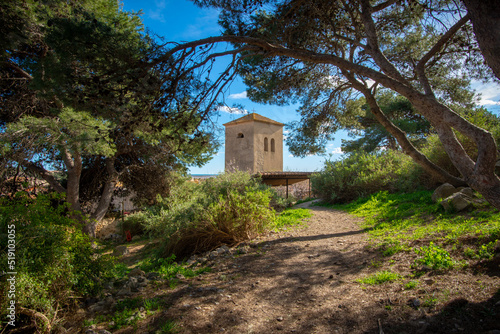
411 285
152 304
430 302
434 257
124 318
380 277
169 327
392 248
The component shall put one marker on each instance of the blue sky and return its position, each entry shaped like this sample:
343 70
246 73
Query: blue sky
181 20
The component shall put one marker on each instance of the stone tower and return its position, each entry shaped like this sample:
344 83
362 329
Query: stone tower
254 143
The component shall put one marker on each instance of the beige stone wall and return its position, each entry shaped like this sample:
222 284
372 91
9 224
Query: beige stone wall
239 151
268 161
248 153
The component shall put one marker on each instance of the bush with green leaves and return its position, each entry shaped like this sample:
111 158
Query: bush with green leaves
225 209
434 257
54 260
362 174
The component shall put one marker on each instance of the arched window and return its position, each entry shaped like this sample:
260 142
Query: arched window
272 145
240 135
266 145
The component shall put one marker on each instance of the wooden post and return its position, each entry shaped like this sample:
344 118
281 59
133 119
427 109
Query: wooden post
287 188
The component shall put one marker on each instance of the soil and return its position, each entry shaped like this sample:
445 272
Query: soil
305 281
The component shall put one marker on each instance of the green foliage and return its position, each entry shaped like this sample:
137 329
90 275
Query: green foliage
435 257
410 285
290 217
226 209
372 136
395 221
380 277
168 268
54 259
168 327
483 251
81 87
361 174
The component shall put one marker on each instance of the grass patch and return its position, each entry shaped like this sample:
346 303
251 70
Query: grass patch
290 217
168 268
396 221
410 285
168 327
379 278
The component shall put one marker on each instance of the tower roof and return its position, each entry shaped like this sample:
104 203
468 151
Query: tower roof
253 117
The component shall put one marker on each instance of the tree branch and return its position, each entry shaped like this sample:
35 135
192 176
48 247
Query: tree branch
420 68
19 70
44 174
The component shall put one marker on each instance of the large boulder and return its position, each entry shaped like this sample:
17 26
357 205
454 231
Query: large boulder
443 191
457 202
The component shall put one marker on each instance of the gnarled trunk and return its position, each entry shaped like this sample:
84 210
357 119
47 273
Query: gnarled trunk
485 18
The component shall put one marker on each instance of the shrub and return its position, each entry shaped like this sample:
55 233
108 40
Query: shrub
363 174
54 259
434 257
235 217
225 209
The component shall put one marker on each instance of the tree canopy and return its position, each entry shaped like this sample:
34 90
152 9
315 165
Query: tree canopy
79 90
323 53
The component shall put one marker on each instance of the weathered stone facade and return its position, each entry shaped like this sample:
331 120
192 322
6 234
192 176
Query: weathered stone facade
254 143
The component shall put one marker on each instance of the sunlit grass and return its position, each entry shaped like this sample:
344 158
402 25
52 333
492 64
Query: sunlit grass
290 217
379 278
395 221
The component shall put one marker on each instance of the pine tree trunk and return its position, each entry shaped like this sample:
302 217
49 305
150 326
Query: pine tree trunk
107 193
485 18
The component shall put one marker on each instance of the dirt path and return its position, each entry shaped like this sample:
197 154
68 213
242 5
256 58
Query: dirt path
304 281
299 281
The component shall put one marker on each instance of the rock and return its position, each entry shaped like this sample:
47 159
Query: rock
96 308
136 272
213 255
415 303
103 331
222 250
124 292
136 237
467 191
114 237
152 276
443 191
179 276
279 318
121 250
457 202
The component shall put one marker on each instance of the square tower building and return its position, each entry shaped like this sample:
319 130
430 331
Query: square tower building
254 143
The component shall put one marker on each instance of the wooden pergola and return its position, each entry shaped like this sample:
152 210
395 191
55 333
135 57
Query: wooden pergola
285 179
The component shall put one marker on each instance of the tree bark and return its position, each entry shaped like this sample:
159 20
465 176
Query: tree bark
73 162
107 193
485 18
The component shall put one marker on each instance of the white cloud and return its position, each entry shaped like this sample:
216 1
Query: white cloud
286 132
157 13
490 93
203 25
237 96
337 150
230 110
